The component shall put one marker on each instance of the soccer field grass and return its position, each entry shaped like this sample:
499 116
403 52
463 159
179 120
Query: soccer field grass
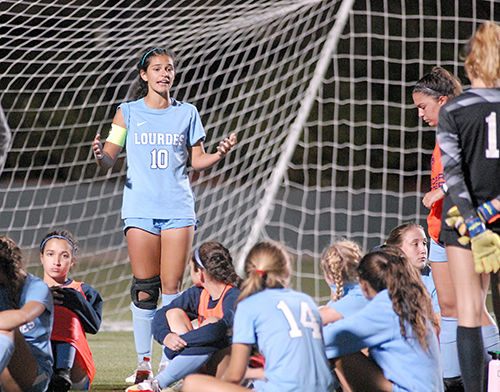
115 359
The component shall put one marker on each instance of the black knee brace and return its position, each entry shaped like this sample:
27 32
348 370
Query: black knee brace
151 286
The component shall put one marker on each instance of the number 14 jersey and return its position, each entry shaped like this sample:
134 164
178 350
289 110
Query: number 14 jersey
286 326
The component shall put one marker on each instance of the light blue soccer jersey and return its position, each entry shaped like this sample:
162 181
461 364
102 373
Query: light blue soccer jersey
428 282
352 301
37 332
286 326
157 151
403 362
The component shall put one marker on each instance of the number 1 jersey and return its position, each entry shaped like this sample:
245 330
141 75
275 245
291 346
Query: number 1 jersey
469 138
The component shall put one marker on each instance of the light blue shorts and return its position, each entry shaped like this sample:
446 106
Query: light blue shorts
156 226
437 252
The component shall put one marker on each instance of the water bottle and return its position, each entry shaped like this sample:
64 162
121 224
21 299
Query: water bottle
144 370
494 372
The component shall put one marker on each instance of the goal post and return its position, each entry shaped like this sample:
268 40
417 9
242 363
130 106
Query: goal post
318 92
276 178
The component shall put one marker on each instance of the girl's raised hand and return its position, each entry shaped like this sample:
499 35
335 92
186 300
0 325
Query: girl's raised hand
226 144
97 147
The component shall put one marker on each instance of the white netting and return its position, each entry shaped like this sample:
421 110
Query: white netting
361 162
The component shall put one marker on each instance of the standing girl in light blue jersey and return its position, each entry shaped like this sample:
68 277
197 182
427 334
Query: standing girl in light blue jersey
161 133
26 313
284 324
397 327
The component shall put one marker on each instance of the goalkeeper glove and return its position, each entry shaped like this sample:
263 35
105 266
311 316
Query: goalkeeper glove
485 211
457 221
484 243
486 251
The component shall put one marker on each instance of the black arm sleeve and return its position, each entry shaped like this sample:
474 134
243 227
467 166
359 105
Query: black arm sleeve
451 156
88 310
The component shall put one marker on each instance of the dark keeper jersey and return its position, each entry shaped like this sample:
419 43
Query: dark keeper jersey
469 136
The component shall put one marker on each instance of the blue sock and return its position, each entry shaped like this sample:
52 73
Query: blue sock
6 351
180 367
143 336
64 355
165 300
448 344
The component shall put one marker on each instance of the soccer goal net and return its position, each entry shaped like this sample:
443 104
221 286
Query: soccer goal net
318 92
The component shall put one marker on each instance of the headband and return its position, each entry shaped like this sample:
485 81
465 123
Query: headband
429 89
147 54
61 237
198 258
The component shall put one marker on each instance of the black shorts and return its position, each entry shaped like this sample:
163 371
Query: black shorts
449 236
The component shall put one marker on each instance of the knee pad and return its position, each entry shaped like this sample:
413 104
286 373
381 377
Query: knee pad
151 286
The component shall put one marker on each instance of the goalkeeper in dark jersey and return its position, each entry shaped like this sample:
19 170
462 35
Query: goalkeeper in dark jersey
469 137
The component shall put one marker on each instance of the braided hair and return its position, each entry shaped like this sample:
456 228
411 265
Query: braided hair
339 264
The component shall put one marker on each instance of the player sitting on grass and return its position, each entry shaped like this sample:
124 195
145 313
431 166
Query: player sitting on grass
211 301
397 327
339 265
286 326
77 311
26 312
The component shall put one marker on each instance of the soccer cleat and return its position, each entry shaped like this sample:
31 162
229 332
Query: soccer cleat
147 386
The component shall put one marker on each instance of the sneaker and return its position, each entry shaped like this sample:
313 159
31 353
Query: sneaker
148 386
60 381
162 366
131 379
